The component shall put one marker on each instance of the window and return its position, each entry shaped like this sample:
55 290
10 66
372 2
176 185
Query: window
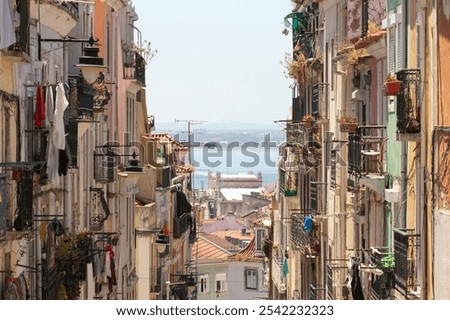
260 234
221 282
251 279
204 283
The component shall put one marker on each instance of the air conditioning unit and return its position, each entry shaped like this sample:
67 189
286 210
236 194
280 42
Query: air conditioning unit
392 195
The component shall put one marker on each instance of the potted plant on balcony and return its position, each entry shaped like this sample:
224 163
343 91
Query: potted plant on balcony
308 120
291 189
348 124
391 85
130 52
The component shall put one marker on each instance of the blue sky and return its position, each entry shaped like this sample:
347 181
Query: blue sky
217 61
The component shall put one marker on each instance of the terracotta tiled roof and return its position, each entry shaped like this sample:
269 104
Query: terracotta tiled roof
207 247
247 254
262 223
219 241
165 137
235 234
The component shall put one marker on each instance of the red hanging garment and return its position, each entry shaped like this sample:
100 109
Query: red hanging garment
39 113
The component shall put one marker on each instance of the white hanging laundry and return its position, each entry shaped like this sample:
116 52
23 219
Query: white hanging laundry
52 157
7 35
59 134
49 106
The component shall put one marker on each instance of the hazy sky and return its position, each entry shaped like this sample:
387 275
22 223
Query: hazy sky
217 61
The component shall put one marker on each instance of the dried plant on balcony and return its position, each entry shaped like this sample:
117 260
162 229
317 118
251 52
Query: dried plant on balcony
308 118
391 77
145 51
347 119
353 57
296 67
373 28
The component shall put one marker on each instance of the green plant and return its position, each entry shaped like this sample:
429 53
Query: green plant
72 255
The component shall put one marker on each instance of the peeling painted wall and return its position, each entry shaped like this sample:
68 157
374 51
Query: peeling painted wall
442 255
377 12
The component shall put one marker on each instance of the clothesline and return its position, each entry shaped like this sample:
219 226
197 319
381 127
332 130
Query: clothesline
41 85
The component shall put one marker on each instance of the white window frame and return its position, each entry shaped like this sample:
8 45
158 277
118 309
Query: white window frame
203 283
260 233
221 282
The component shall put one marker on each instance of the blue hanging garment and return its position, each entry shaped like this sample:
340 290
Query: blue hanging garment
308 224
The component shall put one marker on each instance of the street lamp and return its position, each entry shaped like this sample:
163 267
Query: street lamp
91 64
191 285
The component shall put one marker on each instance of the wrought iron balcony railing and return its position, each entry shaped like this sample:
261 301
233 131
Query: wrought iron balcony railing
307 241
383 285
98 208
181 224
105 164
406 246
366 151
408 101
135 69
3 204
163 176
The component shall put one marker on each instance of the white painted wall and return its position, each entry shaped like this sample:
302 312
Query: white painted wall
236 281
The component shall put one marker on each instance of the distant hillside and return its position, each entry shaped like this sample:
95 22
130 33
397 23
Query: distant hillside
231 126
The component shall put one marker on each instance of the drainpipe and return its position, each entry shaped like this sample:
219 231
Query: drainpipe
67 198
422 159
38 258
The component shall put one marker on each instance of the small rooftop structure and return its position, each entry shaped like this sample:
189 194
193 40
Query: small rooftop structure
242 180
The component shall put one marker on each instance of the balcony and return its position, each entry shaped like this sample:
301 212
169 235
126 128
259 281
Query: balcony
408 104
38 141
155 280
181 224
116 4
304 29
287 184
98 208
163 177
366 152
295 134
59 16
105 164
24 201
318 104
277 273
406 246
135 69
3 204
383 285
307 241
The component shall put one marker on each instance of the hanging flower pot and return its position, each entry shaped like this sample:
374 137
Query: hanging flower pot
392 88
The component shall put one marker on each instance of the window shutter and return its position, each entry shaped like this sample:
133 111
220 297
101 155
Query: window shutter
399 46
391 62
